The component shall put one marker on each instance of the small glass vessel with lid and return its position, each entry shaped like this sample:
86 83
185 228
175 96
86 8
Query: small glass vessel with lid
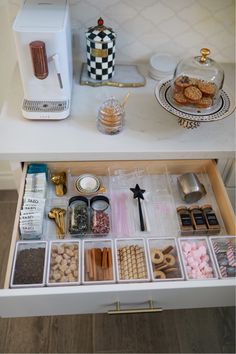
110 119
196 84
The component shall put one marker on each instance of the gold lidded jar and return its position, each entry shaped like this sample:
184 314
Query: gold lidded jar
196 83
110 118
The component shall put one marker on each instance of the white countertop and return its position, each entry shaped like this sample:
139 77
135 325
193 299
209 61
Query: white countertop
150 131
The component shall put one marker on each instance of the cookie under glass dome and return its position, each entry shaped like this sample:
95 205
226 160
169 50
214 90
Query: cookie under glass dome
196 84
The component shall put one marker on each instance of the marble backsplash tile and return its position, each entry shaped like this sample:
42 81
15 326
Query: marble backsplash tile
179 27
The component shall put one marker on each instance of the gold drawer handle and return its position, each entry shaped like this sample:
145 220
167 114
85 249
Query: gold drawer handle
150 309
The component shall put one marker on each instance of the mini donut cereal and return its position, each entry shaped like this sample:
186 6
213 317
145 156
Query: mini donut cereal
207 88
192 93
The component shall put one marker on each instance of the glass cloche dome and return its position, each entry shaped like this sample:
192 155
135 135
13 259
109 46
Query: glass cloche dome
196 83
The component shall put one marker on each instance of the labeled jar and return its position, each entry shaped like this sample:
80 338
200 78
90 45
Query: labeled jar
211 219
100 215
198 219
101 51
78 216
185 220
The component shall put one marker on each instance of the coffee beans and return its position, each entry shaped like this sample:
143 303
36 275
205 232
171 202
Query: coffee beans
29 266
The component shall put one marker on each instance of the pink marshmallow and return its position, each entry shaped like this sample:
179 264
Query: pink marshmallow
187 247
202 250
205 258
202 265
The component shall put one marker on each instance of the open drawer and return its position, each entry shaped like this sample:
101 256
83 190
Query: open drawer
81 299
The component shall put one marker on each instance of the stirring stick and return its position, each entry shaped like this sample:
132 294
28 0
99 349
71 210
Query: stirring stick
138 193
125 99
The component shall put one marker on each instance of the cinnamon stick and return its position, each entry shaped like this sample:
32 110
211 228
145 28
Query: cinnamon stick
98 263
110 271
93 254
90 259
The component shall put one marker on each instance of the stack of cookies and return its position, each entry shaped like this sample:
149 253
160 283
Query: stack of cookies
189 91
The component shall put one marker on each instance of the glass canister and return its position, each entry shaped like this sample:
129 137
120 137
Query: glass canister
101 51
100 215
78 216
197 82
110 118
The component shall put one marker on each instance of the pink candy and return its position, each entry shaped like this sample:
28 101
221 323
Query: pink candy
196 260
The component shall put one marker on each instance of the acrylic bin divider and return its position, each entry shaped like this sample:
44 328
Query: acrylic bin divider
52 231
126 214
131 260
224 253
51 187
164 259
94 172
31 257
197 258
64 259
98 262
208 198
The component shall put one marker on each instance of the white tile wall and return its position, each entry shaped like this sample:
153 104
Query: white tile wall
180 27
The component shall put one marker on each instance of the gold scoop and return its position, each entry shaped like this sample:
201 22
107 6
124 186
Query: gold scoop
60 183
57 215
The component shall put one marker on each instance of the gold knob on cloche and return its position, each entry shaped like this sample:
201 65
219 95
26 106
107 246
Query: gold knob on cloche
204 53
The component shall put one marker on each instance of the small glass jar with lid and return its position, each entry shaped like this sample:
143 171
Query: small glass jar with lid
78 216
196 83
100 215
110 118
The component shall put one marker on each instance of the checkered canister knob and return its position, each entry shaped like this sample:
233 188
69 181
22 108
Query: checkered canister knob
100 51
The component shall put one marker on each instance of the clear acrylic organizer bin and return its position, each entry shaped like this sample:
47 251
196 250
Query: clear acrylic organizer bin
52 231
98 265
164 259
208 198
89 216
198 262
224 253
64 258
29 264
131 260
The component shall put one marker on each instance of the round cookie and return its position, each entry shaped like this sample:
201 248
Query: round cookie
204 102
182 82
158 274
157 256
169 259
180 98
192 93
207 88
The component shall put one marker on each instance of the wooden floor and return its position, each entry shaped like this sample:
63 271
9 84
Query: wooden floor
210 330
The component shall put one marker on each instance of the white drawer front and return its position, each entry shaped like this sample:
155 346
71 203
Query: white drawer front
98 299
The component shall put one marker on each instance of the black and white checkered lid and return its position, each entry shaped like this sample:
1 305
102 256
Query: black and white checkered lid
100 33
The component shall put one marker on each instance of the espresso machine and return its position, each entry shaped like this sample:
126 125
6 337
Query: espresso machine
43 42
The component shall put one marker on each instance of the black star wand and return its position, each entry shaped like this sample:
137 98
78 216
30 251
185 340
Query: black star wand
138 193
